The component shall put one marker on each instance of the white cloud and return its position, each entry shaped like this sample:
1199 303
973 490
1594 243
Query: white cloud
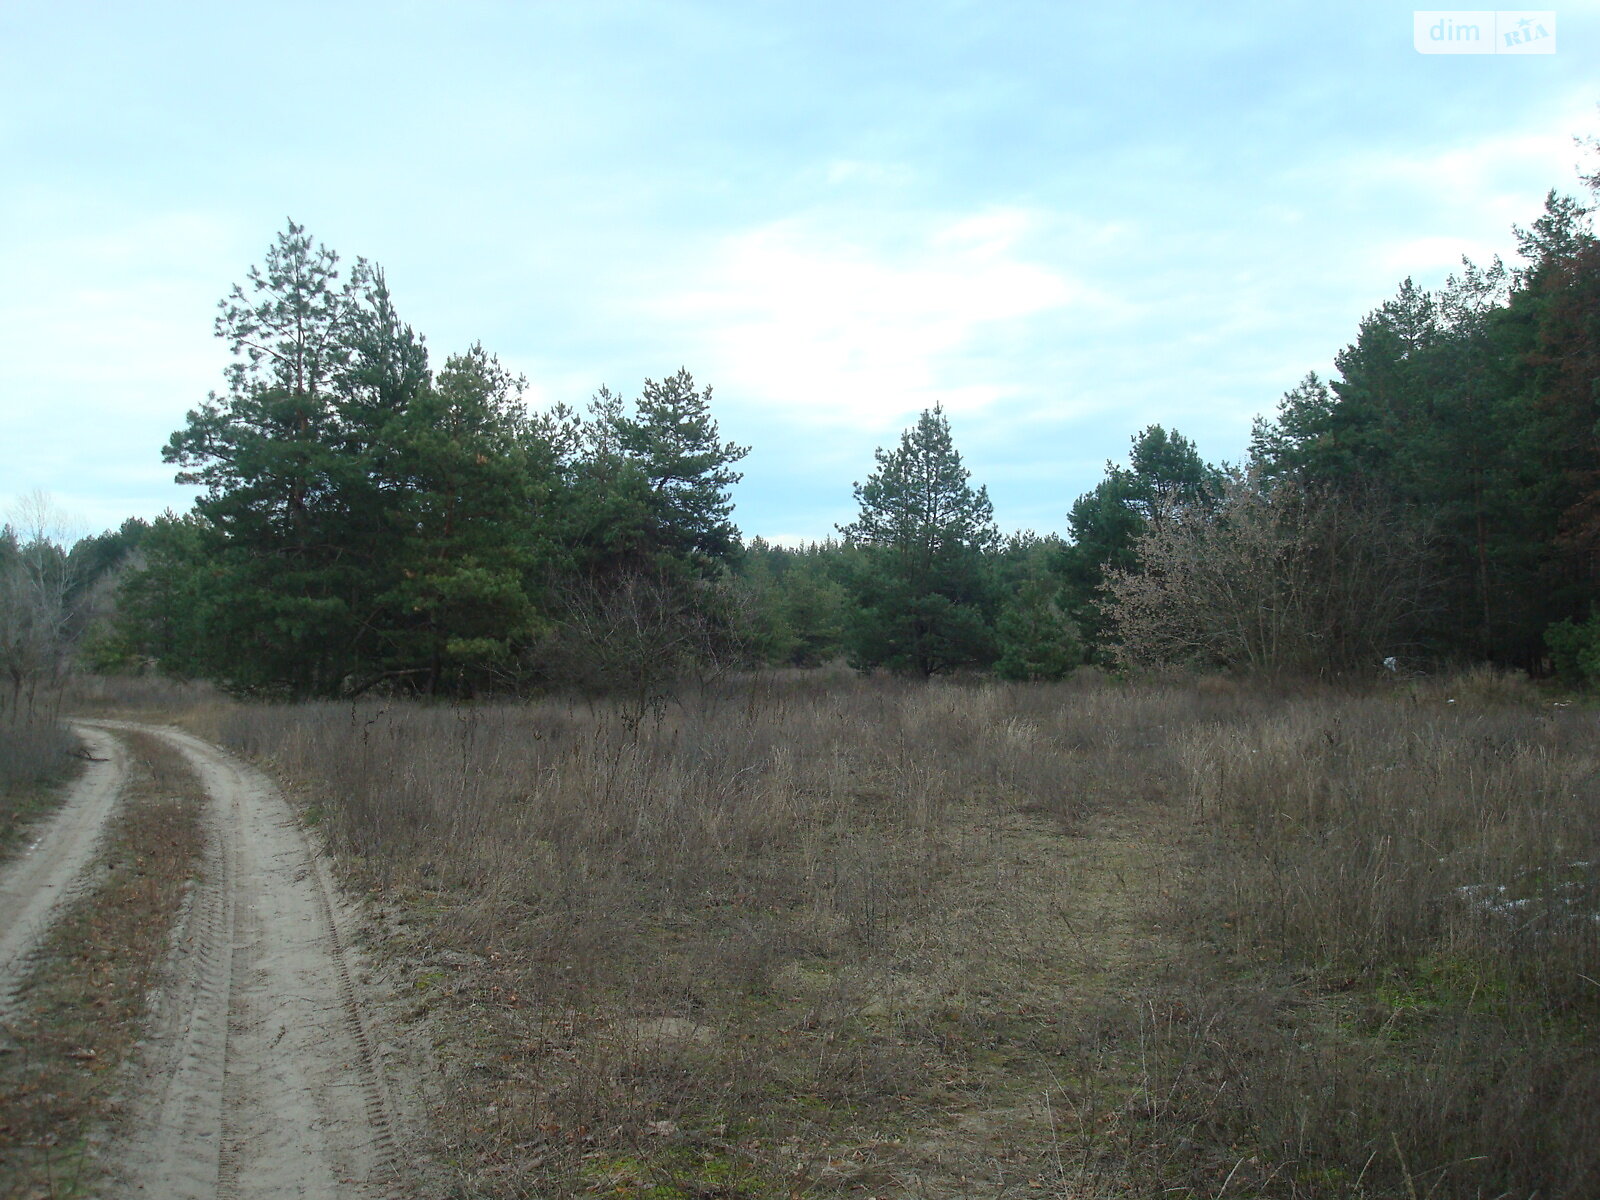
1466 195
860 332
1491 168
1427 259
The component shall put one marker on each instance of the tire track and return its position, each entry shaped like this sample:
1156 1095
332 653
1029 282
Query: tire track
260 1078
37 885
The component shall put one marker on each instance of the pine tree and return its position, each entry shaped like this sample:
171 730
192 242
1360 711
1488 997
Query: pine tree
466 539
361 523
925 598
674 440
643 513
1037 639
269 456
1469 412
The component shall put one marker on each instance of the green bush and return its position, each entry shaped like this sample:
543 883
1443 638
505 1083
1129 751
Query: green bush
1037 640
1575 650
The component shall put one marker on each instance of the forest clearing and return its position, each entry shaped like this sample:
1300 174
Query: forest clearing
807 934
446 777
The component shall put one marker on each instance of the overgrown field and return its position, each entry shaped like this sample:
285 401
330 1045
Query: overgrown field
813 935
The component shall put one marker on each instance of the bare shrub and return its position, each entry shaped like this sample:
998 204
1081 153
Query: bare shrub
1275 578
38 617
639 635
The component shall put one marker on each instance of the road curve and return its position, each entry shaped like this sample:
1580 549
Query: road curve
259 1078
35 886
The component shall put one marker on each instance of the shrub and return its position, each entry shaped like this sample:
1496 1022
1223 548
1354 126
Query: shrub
1575 650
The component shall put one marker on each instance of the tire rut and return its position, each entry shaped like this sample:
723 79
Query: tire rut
260 1077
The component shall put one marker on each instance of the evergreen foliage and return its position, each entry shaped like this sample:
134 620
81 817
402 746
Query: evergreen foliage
688 470
1575 650
924 600
366 522
1165 476
1036 637
1474 410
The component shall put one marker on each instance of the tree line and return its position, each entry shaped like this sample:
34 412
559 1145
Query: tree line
367 521
1437 501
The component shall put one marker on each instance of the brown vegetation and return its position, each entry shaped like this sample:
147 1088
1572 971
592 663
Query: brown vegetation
1407 900
814 935
35 757
796 936
1275 578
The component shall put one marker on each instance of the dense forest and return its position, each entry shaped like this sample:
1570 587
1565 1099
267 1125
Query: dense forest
369 520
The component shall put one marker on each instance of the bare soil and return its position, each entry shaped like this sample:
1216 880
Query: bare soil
260 1072
260 1076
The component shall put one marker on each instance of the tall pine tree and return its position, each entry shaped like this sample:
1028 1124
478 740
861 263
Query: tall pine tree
926 600
361 522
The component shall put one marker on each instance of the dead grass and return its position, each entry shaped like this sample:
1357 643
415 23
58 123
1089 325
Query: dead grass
803 935
37 750
812 935
35 762
1406 899
79 1013
139 697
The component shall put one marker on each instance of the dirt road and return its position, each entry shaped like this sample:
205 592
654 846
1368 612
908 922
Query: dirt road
35 886
258 1077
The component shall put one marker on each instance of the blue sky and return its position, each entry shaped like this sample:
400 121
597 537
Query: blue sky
1061 221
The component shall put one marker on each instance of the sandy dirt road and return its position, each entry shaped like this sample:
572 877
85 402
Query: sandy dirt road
35 886
258 1077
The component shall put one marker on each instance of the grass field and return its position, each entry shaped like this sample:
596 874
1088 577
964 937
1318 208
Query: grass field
814 935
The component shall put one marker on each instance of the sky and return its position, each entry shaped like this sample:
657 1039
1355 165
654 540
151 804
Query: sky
1063 222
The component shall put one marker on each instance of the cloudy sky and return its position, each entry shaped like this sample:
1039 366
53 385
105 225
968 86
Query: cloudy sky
1061 221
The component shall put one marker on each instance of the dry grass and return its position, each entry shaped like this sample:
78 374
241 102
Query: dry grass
802 935
813 935
79 1013
35 760
37 752
139 697
1409 896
